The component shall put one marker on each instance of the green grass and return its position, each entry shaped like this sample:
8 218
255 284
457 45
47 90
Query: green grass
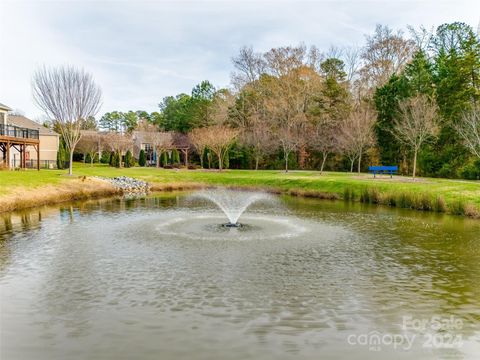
400 191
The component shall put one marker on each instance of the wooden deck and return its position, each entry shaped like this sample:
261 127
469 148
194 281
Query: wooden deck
19 139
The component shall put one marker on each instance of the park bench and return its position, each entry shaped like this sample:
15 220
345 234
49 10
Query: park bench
383 170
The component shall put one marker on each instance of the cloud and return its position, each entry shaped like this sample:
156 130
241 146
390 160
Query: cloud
140 52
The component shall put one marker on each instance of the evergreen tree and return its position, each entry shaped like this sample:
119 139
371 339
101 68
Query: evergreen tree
142 158
61 155
175 156
129 160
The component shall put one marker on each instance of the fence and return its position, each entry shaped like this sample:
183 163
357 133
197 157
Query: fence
32 164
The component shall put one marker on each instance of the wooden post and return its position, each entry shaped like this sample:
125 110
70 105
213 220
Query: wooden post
185 153
24 156
8 154
38 156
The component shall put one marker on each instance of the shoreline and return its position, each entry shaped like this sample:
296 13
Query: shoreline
89 188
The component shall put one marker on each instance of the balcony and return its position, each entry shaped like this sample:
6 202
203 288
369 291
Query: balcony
18 132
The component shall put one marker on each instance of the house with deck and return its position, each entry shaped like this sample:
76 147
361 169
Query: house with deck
25 143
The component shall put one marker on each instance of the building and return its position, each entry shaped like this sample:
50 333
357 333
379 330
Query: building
25 143
178 142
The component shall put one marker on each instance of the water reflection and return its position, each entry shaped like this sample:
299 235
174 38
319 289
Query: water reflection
86 279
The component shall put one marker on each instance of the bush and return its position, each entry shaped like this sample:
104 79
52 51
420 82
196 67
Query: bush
105 158
164 159
111 160
142 158
129 160
115 159
175 156
471 170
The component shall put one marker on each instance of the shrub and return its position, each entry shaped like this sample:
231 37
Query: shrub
105 158
142 158
129 160
115 159
164 159
111 160
175 156
471 171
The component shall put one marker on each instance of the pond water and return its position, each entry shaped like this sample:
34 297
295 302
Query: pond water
160 278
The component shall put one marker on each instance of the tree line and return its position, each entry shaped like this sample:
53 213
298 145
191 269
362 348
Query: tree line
407 99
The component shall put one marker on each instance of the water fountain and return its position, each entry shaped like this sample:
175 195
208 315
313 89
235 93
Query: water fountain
233 203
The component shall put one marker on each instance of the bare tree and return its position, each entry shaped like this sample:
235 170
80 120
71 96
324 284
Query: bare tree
323 139
385 54
289 135
356 133
249 64
69 96
160 141
259 137
89 144
352 60
416 124
469 130
219 139
198 140
118 143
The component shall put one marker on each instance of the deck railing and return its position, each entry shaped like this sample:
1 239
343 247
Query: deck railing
18 132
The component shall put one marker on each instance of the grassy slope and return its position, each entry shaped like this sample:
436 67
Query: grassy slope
450 190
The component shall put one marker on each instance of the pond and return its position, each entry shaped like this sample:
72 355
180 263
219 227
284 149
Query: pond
161 278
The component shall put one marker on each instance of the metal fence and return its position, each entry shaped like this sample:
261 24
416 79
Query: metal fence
32 164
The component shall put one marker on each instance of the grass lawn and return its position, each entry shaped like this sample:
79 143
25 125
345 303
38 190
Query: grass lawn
309 182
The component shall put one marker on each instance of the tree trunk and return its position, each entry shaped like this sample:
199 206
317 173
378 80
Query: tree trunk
323 162
286 161
91 159
257 160
220 161
414 163
157 160
70 165
352 161
359 163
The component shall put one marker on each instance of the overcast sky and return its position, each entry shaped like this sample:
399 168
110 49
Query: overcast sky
141 51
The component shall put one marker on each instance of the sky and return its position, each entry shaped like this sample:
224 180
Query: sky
142 51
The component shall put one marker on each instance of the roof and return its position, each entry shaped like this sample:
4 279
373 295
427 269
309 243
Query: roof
178 140
4 107
22 121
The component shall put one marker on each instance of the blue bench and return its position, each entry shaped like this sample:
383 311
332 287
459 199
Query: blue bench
383 170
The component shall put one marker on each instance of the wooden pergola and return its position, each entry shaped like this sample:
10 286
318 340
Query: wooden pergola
19 139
